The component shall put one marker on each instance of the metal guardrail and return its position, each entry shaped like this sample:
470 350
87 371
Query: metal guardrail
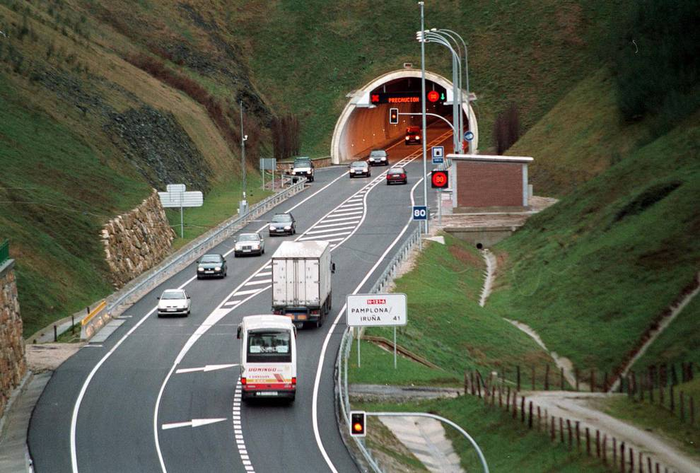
175 263
341 363
4 251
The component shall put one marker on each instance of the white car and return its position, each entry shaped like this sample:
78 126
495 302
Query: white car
174 302
249 244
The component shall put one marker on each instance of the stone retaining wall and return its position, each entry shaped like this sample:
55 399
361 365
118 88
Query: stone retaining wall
138 240
13 363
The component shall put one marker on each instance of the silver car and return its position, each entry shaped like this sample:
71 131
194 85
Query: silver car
249 244
360 168
174 302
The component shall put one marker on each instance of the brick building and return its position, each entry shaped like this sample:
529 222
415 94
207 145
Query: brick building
489 183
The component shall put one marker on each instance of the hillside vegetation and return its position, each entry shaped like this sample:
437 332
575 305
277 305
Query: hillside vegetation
86 134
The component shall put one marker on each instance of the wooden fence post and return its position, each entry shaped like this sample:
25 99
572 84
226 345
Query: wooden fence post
517 369
500 398
631 460
493 395
568 427
515 405
593 380
508 399
466 383
605 449
561 430
614 452
661 395
471 376
597 443
576 376
552 433
578 435
605 382
622 457
588 442
522 409
539 419
546 378
561 379
673 398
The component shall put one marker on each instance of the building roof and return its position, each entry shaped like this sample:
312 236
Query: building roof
490 158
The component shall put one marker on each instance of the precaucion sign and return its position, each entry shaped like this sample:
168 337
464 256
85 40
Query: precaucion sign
376 310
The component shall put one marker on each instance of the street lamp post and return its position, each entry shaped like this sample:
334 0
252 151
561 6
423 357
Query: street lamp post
466 75
422 82
244 203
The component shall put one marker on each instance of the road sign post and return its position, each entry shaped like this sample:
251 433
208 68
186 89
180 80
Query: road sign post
376 310
176 196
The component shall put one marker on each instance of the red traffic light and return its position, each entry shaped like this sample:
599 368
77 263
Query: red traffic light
433 96
357 424
393 116
439 180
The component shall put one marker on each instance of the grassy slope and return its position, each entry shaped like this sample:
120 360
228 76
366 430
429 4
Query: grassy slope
507 444
307 55
592 272
55 192
447 326
58 157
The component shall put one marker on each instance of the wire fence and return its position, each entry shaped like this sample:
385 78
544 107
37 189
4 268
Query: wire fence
117 302
342 365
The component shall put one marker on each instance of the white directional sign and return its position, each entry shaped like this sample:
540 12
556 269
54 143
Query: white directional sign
181 199
175 188
376 310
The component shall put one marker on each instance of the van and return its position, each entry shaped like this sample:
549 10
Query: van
268 357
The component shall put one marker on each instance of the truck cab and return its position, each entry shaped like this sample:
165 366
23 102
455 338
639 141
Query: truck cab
268 357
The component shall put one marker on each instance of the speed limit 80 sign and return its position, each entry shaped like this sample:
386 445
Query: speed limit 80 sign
420 212
439 179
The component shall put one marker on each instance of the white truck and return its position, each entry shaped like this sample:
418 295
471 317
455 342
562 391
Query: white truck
301 281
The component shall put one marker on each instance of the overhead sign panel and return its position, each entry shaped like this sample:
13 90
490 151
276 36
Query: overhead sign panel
377 98
376 310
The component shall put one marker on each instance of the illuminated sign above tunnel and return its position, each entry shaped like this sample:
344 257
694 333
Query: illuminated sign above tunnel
405 97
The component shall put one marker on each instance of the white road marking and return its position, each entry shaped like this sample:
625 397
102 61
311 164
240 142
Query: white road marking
231 303
330 230
245 293
347 214
257 283
206 368
340 224
317 381
326 237
88 380
192 423
265 274
343 219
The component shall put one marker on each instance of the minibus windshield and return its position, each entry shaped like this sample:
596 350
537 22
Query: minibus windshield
269 346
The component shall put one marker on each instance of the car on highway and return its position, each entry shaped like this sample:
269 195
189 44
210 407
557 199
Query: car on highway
396 175
249 244
378 157
268 357
359 168
303 167
174 302
282 224
413 135
212 265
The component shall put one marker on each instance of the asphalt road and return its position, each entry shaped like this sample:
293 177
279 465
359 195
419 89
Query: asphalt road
125 406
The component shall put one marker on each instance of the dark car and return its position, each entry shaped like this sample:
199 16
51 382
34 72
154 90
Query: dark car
212 265
378 157
413 135
359 168
283 224
396 175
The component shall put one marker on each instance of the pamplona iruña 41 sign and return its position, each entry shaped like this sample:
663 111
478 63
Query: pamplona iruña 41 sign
376 310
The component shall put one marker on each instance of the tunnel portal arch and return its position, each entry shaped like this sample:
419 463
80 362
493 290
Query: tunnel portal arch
359 113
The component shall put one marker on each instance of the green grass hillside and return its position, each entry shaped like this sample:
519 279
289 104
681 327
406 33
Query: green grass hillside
306 56
592 273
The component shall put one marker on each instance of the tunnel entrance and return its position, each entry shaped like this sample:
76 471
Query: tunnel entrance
364 123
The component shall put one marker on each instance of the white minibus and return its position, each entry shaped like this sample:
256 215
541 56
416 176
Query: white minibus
268 357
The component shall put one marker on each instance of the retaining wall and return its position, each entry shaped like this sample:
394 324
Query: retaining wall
13 363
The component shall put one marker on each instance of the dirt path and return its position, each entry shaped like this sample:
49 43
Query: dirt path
491 264
654 334
577 407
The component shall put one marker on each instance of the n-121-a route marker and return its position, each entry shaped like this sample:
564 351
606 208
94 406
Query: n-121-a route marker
376 310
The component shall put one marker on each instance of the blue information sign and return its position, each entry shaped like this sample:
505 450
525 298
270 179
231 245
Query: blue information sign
469 136
438 154
420 212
